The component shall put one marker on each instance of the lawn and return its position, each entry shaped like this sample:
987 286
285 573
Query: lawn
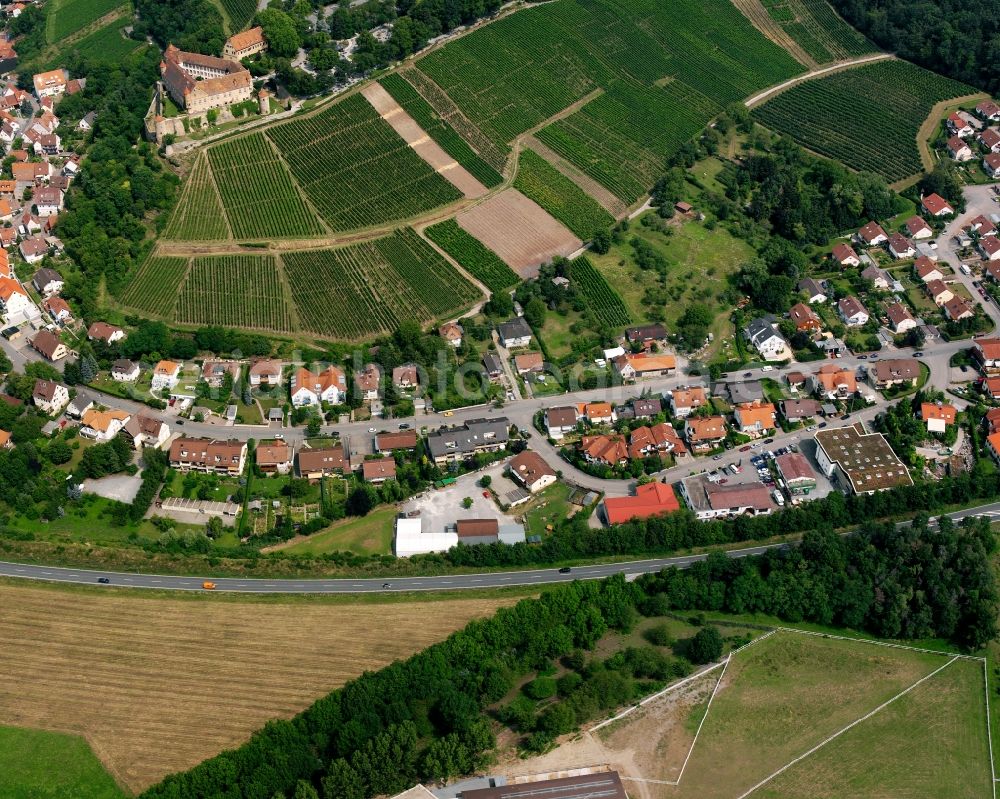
88 520
36 764
363 536
548 507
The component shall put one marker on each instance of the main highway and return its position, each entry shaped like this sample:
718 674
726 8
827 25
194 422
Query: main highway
445 582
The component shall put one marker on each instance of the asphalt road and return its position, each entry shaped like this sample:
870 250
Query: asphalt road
448 582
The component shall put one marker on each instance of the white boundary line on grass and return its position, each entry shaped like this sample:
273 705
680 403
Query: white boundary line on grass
850 726
989 726
881 643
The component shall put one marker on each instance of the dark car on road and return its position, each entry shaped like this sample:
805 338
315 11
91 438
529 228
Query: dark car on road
103 580
565 570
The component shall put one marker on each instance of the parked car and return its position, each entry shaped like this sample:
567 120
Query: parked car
404 426
822 425
862 357
371 430
748 374
845 417
768 440
745 449
716 457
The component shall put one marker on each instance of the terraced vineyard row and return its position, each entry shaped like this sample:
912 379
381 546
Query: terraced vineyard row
155 285
240 12
439 130
818 29
475 257
105 44
198 215
603 300
560 196
257 192
367 289
69 16
867 117
235 290
356 170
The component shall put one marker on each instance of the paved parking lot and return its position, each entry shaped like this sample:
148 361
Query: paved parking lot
440 507
120 487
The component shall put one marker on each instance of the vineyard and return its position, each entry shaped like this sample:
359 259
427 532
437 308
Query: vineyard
68 16
439 130
818 30
603 301
867 118
154 287
105 44
236 291
240 12
367 289
356 170
560 196
198 215
664 70
259 197
478 260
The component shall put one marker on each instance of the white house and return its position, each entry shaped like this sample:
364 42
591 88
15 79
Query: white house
560 421
765 338
166 374
852 312
14 300
102 425
959 150
125 371
145 431
901 247
309 388
47 281
50 396
515 333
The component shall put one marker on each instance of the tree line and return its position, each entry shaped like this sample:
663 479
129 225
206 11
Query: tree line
426 717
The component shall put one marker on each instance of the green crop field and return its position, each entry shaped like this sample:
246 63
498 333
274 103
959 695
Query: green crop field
258 194
155 285
560 196
867 118
236 291
240 12
66 17
36 764
356 169
818 29
602 299
369 288
198 215
105 44
664 71
475 257
439 130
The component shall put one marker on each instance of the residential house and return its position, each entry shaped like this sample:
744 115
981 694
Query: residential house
529 362
657 439
492 365
273 457
87 121
989 247
990 386
852 312
598 412
51 83
646 407
709 500
103 425
958 149
605 450
900 318
834 382
145 431
861 462
959 126
315 464
989 111
894 372
245 44
560 421
917 228
515 333
14 300
166 374
646 335
530 470
49 396
643 365
367 381
56 307
378 471
926 269
208 455
49 345
797 410
937 416
982 225
957 309
264 373
990 139
405 377
705 433
871 235
804 317
125 371
765 338
901 247
47 282
476 435
844 254
939 292
936 205
651 499
309 388
391 442
813 290
684 401
879 278
5 442
755 419
451 332
993 272
80 404
991 165
796 380
34 249
987 352
796 473
102 331
214 372
48 201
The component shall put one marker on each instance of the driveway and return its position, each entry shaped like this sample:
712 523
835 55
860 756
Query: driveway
120 487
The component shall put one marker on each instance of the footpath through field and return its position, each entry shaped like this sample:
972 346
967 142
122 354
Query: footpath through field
757 99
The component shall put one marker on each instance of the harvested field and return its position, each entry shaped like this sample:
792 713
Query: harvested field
422 144
157 685
518 230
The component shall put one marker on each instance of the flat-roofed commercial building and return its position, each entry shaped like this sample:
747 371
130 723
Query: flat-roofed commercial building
861 462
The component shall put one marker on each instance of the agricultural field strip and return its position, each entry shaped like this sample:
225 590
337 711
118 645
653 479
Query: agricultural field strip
848 727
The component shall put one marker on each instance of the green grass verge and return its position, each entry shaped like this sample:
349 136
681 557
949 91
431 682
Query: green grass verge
363 536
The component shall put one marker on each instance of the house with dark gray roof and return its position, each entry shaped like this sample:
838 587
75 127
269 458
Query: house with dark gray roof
476 435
